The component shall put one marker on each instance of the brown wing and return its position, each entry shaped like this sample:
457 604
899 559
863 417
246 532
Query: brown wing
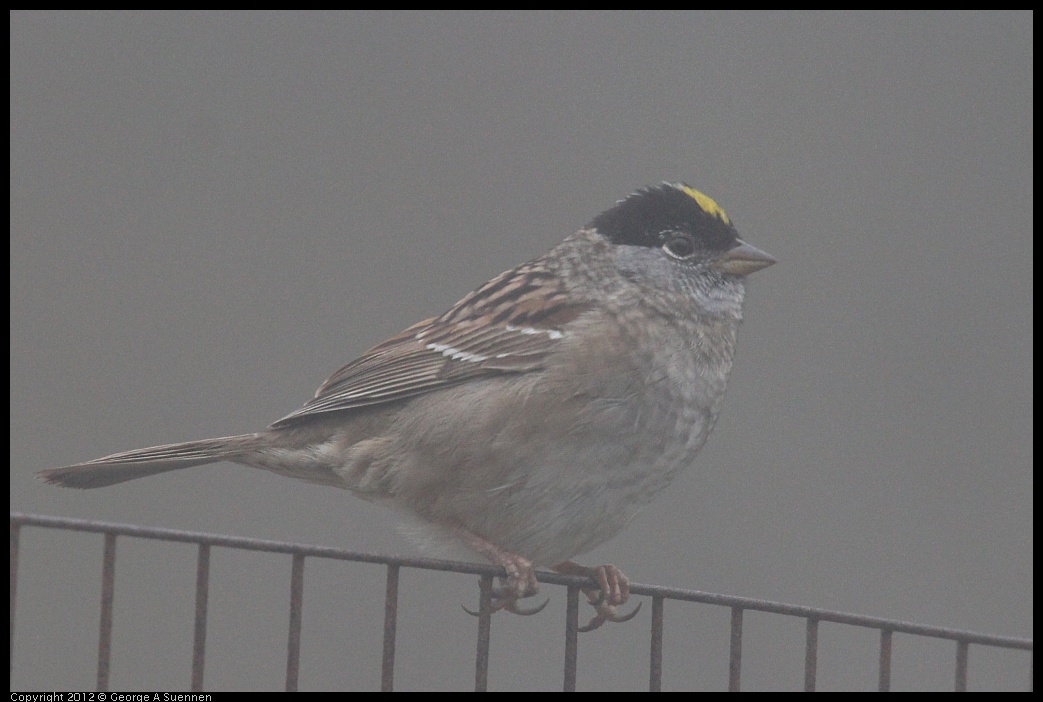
509 325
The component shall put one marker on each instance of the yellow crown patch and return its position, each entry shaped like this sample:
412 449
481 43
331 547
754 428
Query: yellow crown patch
707 203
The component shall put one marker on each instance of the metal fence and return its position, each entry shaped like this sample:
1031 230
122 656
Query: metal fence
299 552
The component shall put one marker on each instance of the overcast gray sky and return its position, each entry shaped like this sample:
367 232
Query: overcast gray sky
211 212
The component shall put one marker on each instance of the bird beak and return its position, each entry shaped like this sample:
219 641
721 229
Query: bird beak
743 259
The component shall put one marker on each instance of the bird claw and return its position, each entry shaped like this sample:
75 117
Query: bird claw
607 613
513 608
507 598
514 588
613 590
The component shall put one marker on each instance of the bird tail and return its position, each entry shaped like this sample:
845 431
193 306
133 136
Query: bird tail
141 463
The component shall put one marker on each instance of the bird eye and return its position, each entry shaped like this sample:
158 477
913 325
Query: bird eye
679 245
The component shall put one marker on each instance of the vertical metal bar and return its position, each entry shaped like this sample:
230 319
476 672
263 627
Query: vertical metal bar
108 587
655 666
293 647
961 666
202 601
485 618
387 665
16 530
811 655
884 681
571 637
735 654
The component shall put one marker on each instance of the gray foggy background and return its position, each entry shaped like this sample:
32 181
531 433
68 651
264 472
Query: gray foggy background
212 212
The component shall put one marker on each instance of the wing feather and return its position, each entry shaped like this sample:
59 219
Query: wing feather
507 326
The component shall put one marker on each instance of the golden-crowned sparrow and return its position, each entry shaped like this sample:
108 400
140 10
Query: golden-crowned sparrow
535 418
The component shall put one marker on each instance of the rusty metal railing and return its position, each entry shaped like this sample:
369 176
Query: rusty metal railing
299 552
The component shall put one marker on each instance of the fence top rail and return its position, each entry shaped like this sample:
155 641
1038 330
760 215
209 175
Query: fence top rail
19 519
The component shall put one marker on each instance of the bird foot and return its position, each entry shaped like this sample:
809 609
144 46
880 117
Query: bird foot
520 581
613 590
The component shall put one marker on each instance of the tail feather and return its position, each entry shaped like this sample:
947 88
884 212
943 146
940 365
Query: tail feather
141 463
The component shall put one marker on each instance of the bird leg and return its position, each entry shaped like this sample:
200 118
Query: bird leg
521 576
613 590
